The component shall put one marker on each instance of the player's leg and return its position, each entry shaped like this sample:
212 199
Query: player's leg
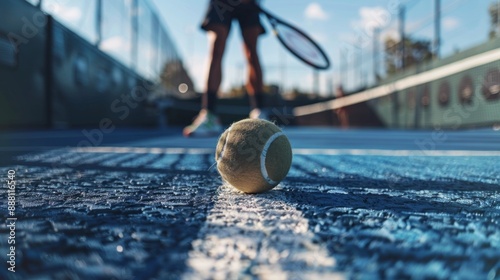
251 29
254 83
217 26
207 122
217 36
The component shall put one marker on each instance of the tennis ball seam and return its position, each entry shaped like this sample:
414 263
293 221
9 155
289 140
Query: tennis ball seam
263 169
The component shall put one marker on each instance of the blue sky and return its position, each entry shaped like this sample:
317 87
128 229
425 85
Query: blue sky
336 25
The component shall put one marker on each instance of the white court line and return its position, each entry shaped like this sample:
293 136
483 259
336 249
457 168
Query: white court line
355 152
395 153
28 148
261 235
298 151
144 150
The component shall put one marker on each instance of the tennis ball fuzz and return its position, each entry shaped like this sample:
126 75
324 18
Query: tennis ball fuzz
253 155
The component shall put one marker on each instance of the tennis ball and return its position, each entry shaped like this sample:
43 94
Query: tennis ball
253 155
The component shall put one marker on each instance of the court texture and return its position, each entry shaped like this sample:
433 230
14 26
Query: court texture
356 204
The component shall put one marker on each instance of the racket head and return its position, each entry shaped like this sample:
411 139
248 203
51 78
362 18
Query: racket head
298 43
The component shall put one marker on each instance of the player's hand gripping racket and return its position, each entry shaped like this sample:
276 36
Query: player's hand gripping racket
298 43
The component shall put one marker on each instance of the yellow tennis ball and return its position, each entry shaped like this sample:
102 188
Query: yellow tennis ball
253 155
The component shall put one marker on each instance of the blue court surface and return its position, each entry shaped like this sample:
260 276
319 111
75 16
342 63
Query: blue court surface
356 204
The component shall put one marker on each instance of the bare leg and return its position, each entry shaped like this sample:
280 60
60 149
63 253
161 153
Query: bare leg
254 82
217 36
206 123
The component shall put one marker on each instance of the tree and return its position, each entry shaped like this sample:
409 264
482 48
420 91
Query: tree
415 51
494 20
174 74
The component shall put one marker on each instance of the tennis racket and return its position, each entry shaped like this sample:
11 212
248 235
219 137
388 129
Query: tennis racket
298 42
